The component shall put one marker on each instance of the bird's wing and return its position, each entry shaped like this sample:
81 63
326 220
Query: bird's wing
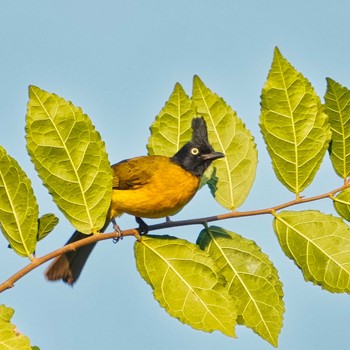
133 173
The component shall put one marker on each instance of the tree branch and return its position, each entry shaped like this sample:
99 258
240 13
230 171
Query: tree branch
9 283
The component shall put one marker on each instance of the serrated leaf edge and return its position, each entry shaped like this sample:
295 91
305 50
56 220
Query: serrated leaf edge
185 283
34 90
19 226
242 283
309 242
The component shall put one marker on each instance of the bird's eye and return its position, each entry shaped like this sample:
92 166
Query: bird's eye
195 151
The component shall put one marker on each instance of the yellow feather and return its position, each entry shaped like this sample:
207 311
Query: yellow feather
161 188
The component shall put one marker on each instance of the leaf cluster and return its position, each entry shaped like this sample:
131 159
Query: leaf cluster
223 279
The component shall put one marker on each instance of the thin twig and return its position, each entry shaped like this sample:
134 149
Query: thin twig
9 283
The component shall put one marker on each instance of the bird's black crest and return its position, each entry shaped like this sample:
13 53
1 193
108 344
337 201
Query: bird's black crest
199 131
196 155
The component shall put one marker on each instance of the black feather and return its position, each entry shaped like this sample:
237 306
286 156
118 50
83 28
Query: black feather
196 155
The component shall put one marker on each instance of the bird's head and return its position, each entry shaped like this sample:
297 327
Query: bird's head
196 155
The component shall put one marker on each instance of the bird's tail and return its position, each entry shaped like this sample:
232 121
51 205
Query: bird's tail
68 266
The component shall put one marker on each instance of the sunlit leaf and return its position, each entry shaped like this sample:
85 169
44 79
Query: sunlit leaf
342 204
186 282
10 338
251 279
46 224
233 176
338 109
70 158
172 126
319 244
294 126
18 206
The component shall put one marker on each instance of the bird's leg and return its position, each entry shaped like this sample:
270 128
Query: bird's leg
143 227
167 219
117 230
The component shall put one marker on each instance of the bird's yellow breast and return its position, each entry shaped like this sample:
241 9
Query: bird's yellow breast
162 189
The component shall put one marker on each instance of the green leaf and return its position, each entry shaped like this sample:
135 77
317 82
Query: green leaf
10 338
293 124
320 246
341 204
251 279
338 109
186 282
70 158
46 224
172 126
233 175
18 206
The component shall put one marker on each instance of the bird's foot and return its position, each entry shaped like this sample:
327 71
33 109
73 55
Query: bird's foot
118 231
143 227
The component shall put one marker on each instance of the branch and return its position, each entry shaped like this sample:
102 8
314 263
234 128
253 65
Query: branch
167 224
65 249
236 214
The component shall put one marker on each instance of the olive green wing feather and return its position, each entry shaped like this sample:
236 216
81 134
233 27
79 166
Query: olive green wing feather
132 173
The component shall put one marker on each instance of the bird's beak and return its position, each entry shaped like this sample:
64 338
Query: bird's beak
213 155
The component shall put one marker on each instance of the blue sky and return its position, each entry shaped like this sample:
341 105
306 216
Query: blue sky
119 61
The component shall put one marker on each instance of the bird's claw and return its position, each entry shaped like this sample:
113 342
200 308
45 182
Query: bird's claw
143 227
118 231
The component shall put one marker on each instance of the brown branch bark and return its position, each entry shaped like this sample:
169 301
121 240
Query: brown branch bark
9 283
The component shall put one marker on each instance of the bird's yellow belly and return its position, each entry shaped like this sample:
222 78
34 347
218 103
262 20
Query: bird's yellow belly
164 195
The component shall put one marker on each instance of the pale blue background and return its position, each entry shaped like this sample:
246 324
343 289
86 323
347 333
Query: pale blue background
119 60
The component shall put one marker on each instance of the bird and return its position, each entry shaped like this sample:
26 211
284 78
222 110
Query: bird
150 187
